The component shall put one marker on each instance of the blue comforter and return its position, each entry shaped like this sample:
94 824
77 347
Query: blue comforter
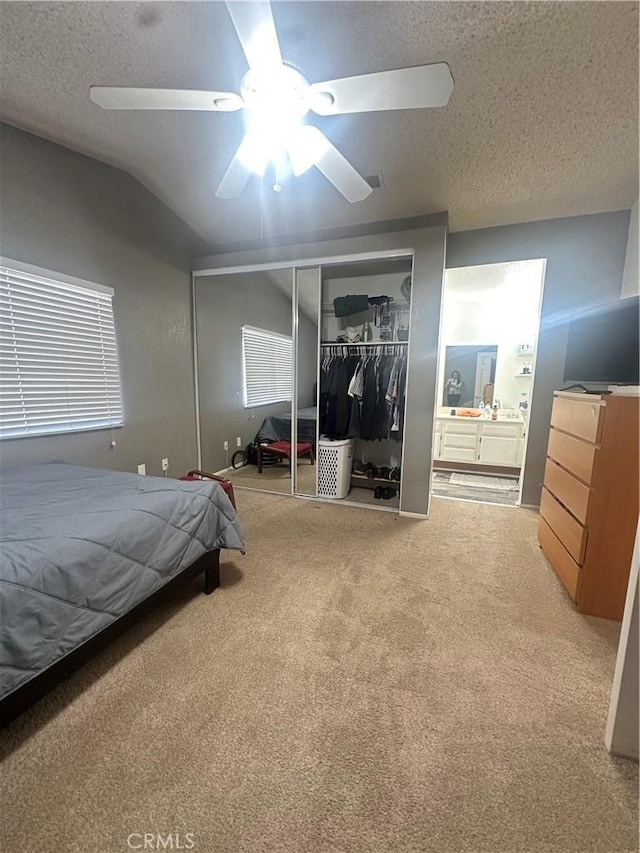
80 547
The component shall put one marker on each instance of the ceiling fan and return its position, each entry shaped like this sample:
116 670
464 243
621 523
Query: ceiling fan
276 98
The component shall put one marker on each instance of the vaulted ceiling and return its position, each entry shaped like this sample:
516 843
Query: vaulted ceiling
543 120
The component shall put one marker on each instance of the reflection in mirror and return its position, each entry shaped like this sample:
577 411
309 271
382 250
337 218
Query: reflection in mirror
469 376
243 326
307 354
488 341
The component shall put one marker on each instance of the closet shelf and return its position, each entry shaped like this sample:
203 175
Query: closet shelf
379 481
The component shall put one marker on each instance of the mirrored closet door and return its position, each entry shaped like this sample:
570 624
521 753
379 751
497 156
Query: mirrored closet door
302 378
307 338
244 349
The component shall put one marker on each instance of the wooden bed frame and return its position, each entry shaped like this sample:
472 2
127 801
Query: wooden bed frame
34 689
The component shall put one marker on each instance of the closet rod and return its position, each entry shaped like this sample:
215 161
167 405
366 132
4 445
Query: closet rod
366 344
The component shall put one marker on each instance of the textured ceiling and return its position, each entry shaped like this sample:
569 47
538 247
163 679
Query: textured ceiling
543 120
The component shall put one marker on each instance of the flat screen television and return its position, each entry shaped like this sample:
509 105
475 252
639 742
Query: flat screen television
603 347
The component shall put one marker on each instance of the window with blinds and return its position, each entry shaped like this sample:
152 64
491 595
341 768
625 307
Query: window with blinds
267 360
58 357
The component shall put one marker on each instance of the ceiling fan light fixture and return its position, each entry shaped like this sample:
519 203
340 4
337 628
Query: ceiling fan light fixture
228 103
275 99
279 94
254 154
306 146
321 102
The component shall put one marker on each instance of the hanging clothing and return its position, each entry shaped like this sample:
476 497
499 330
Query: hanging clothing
362 396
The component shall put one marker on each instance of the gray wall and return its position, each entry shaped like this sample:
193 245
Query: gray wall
75 215
428 247
224 304
585 260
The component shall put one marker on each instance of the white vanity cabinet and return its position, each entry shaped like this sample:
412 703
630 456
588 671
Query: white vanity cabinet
480 442
500 444
458 440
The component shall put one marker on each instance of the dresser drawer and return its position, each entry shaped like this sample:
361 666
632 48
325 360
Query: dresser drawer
567 569
569 531
573 454
582 419
569 491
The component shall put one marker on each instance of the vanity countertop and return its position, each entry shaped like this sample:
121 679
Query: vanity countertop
504 416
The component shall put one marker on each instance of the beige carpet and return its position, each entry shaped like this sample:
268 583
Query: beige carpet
361 682
275 478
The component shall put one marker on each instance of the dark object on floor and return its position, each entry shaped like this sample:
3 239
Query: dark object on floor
27 694
385 493
283 450
239 459
247 456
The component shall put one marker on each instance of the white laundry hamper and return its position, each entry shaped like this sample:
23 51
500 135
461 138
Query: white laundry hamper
335 459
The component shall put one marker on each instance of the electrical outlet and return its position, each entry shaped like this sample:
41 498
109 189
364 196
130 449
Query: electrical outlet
226 445
238 441
142 469
165 464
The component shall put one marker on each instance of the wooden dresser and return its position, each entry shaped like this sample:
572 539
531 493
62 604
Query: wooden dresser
589 505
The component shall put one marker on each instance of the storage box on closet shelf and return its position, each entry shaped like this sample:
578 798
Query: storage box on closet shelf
335 458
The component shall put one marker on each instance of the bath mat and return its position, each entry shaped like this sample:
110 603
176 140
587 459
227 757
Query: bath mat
484 481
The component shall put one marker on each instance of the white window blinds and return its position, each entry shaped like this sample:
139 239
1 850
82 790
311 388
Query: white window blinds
58 358
268 367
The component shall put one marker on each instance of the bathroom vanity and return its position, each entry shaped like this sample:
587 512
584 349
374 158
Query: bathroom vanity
477 441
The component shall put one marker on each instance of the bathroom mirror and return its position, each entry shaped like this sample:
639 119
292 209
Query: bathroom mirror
469 376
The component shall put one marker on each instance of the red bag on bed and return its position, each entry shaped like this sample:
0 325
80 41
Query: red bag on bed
203 475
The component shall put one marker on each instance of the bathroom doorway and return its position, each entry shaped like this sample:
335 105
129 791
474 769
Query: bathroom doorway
486 366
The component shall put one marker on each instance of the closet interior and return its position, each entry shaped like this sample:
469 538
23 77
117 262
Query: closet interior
363 372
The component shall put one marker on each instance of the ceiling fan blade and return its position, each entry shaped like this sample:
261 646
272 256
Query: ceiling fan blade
311 147
126 98
247 160
256 30
400 89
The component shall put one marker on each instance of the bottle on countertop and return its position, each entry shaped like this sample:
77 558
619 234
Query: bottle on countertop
486 414
494 412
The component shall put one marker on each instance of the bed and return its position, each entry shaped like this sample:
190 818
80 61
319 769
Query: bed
83 550
278 427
